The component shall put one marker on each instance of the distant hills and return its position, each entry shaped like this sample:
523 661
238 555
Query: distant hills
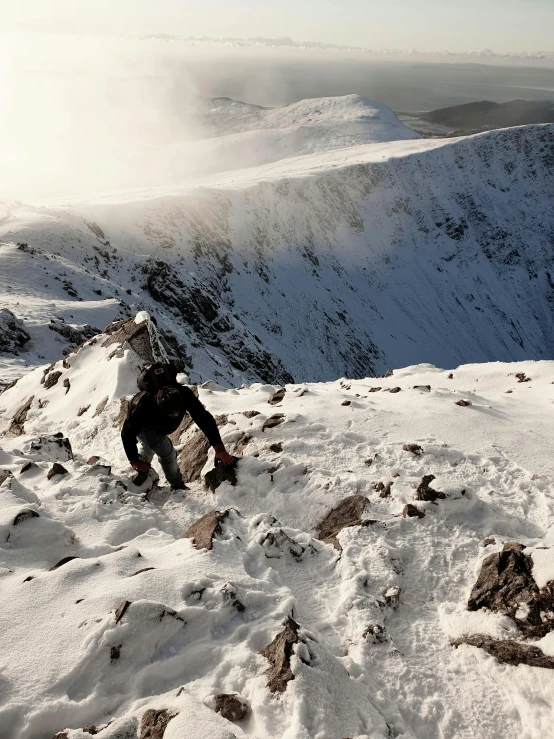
486 115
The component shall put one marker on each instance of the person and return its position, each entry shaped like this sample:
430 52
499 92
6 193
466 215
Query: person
151 417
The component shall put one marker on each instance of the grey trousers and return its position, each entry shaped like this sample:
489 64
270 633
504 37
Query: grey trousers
154 442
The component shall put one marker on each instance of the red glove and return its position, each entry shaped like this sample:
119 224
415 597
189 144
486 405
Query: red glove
140 465
222 454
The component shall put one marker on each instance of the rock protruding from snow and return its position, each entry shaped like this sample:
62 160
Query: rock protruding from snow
279 653
206 529
348 513
507 651
506 583
154 723
221 473
412 511
17 427
425 492
13 335
230 706
277 397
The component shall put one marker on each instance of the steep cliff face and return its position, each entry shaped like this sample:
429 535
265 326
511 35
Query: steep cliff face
342 263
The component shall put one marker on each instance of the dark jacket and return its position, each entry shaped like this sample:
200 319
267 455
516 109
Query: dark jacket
144 413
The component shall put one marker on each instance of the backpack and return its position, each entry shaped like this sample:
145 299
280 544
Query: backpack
155 376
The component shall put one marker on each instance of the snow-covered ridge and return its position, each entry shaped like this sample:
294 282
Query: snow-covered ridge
113 620
346 262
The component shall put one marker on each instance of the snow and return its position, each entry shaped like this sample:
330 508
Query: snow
409 579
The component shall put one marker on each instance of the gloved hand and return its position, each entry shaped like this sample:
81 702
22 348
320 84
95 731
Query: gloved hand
140 465
223 455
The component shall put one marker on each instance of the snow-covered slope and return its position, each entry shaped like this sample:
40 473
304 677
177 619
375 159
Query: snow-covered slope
142 629
343 262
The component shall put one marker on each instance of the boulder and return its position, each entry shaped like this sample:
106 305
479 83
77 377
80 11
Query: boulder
348 513
413 448
506 584
205 529
273 421
25 515
56 469
231 707
51 379
277 397
463 403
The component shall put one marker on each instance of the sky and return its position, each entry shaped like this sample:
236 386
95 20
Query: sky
424 25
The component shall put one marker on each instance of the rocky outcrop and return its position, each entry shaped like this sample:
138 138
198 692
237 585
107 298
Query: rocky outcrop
13 335
221 473
279 654
506 585
17 426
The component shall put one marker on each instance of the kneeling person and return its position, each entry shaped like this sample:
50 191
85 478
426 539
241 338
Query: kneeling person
151 417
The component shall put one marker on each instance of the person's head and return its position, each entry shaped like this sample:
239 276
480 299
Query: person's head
170 401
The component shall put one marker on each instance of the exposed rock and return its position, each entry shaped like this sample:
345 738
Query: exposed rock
221 473
13 335
411 511
395 389
230 706
277 397
25 515
279 654
122 610
346 402
67 385
17 425
387 490
388 373
122 414
93 460
115 652
276 448
392 597
56 469
274 421
205 529
374 389
154 723
73 334
424 492
375 633
423 388
61 563
185 424
26 467
507 651
144 569
242 443
4 474
506 583
51 379
522 377
194 456
100 407
83 410
55 446
348 513
369 461
277 543
451 376
488 542
413 448
230 596
250 414
463 403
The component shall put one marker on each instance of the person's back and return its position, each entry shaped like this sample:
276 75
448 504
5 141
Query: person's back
153 414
